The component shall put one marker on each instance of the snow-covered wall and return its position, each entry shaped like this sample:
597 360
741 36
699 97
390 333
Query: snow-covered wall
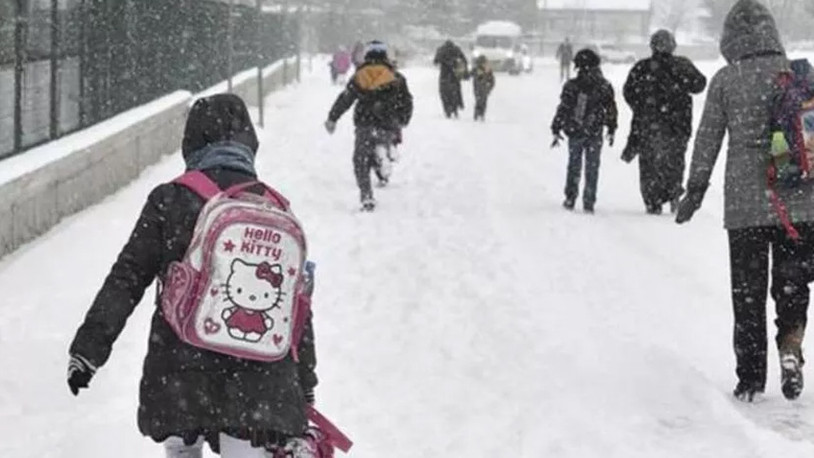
48 183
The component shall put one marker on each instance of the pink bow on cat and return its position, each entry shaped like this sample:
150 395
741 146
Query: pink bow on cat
265 271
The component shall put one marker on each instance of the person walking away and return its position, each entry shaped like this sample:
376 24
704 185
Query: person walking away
190 395
659 91
483 84
384 106
565 54
453 68
587 106
740 103
340 64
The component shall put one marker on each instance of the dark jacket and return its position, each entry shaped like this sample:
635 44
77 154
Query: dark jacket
483 80
449 58
186 391
739 102
382 98
587 104
658 90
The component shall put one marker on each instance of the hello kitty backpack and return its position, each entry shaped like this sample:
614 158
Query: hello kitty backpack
239 288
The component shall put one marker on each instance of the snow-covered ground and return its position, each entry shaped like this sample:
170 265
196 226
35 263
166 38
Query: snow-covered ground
470 316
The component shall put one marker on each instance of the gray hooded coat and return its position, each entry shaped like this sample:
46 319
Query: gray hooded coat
739 103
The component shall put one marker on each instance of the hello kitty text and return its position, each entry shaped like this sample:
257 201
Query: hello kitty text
261 242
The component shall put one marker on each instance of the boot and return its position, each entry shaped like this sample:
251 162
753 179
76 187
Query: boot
748 392
569 204
791 363
674 205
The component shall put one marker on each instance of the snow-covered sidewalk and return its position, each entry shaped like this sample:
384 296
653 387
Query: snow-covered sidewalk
470 316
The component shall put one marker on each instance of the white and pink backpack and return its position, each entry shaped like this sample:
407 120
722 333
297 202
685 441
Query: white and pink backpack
239 288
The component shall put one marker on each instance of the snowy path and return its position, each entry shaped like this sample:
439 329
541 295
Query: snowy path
470 316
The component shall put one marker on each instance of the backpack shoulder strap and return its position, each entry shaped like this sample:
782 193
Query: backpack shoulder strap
268 192
199 183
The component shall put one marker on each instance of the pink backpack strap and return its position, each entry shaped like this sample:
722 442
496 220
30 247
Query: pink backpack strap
269 193
199 183
336 437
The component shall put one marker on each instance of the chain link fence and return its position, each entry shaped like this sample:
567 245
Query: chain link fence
68 64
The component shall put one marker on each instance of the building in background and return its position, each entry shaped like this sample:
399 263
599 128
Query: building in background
584 21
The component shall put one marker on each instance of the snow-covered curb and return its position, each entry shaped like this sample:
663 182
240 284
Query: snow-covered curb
48 183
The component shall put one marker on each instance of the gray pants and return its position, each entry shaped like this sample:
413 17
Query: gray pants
229 448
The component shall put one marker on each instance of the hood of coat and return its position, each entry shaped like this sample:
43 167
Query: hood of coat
219 119
749 30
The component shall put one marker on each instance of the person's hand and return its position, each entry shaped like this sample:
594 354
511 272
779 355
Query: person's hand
690 203
80 371
611 138
557 139
330 126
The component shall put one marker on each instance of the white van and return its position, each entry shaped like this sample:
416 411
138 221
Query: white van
499 41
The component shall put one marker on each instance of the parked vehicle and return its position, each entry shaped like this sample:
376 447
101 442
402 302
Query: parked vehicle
613 54
499 42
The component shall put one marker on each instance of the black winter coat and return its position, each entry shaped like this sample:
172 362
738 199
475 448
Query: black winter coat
448 57
186 391
382 98
587 104
659 90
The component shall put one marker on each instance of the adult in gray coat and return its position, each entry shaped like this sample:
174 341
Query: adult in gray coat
739 103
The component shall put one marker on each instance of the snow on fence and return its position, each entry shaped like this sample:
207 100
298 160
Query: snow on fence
48 183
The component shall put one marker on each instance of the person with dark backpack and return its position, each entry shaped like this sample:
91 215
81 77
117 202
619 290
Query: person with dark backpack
659 91
231 358
587 107
384 106
742 101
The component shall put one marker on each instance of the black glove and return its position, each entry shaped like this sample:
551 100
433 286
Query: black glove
80 371
557 139
690 203
310 399
611 138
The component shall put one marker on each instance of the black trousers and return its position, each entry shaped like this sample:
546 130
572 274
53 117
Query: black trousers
480 105
365 159
661 167
749 251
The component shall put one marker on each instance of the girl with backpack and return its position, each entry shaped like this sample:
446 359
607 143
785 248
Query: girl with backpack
189 395
740 102
587 107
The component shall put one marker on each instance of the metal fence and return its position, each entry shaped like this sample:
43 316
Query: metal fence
68 64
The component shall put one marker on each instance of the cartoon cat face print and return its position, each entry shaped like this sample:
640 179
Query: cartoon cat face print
255 286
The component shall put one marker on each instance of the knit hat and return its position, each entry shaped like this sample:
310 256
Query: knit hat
376 51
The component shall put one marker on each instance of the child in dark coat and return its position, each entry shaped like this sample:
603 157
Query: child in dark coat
587 106
189 396
483 83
